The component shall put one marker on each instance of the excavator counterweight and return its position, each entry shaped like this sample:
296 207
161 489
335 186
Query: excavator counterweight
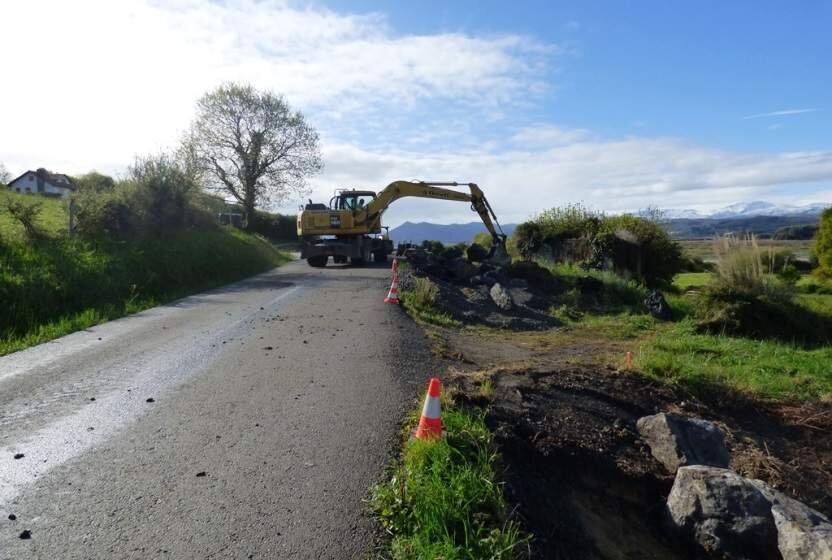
350 226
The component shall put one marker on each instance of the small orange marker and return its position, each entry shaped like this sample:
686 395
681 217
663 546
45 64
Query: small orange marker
628 360
430 424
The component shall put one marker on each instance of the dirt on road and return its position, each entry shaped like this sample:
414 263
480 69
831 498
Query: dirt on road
563 412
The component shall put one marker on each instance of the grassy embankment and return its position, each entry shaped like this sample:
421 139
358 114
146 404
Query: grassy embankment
58 285
442 499
678 353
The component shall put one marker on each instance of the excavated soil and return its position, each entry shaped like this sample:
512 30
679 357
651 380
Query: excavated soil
578 476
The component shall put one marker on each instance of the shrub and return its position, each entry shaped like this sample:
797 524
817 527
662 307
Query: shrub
25 213
634 246
95 182
823 244
274 226
742 265
158 195
434 247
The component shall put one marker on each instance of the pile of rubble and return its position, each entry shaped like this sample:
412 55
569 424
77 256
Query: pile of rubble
472 291
725 514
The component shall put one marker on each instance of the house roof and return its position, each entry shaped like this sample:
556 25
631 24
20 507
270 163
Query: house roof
55 179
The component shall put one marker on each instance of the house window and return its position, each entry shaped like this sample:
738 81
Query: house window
28 189
18 189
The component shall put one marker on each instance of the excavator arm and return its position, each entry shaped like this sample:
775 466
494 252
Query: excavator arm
424 189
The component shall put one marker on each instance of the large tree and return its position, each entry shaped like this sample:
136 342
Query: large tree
252 145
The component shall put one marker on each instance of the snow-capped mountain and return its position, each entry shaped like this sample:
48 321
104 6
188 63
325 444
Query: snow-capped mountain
748 209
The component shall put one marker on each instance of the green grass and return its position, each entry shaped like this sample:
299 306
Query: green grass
53 219
443 499
706 364
57 286
420 303
691 280
704 248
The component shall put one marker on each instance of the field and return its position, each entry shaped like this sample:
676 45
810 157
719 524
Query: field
704 248
53 219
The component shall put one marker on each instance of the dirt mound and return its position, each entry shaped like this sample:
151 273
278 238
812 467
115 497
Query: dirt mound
583 483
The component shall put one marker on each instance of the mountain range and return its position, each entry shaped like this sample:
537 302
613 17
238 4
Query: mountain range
757 217
749 209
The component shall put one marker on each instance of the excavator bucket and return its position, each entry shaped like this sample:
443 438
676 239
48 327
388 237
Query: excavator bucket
498 255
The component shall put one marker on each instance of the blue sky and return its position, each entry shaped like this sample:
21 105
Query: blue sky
692 69
618 105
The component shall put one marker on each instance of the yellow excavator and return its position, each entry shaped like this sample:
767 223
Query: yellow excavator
350 227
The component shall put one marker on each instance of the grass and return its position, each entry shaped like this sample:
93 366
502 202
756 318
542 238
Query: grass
692 280
704 248
420 303
57 286
706 363
53 219
442 499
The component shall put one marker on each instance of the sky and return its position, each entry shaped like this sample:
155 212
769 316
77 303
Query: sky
616 105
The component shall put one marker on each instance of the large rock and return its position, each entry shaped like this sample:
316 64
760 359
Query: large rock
460 270
722 512
476 252
802 533
677 441
500 297
657 306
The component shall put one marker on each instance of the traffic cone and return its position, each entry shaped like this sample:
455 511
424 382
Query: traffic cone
395 267
393 294
628 360
430 424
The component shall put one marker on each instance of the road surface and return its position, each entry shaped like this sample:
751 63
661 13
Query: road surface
245 422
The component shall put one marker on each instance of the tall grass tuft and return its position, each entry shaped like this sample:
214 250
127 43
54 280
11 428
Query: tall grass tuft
742 265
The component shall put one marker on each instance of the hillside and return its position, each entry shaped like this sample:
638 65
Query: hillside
53 219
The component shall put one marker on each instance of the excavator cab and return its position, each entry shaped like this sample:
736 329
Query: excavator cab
352 200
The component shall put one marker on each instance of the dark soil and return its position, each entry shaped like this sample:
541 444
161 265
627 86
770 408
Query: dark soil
578 476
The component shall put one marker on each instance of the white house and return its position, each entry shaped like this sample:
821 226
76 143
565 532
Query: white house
43 182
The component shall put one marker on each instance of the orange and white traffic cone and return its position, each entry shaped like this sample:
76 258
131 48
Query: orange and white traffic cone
430 424
395 267
393 294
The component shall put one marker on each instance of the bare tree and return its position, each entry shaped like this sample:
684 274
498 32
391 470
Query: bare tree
5 176
252 145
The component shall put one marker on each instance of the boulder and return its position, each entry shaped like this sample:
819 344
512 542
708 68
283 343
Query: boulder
533 273
500 297
524 297
476 253
460 270
677 441
657 306
802 533
450 253
723 513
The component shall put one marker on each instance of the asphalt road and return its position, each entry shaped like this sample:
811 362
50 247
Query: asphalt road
276 405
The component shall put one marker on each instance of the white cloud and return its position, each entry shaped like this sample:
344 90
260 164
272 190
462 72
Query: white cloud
782 113
611 175
124 76
546 135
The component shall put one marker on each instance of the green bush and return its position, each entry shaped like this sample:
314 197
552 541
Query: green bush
274 226
823 244
433 246
633 246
